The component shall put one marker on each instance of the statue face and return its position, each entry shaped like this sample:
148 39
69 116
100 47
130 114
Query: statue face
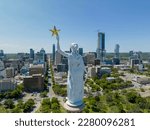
74 47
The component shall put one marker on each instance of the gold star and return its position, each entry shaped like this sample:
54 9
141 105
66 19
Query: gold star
54 31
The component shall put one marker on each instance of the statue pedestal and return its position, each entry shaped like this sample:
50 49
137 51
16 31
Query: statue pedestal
73 109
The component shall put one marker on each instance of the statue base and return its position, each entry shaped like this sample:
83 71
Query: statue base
76 104
73 108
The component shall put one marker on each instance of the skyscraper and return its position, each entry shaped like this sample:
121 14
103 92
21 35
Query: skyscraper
135 58
42 51
1 53
116 50
101 46
31 53
58 58
116 58
102 40
53 53
81 51
40 57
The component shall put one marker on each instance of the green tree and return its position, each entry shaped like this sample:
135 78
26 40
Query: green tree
46 105
2 109
132 96
43 94
45 109
28 106
1 96
9 103
16 110
46 101
20 104
15 93
55 100
134 109
86 110
55 106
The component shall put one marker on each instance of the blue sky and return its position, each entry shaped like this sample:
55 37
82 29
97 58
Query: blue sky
25 24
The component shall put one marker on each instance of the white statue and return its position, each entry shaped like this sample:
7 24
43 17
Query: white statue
75 89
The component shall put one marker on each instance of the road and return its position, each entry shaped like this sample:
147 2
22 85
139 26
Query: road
51 93
36 97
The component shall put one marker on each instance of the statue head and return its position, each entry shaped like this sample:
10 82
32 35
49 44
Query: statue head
74 47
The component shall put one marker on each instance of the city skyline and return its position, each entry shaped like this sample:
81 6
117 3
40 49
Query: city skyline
26 24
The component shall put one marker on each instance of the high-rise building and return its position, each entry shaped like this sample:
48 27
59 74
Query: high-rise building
135 58
53 53
2 67
2 70
42 51
117 51
2 56
31 53
81 51
39 58
116 59
34 83
131 53
102 40
89 58
58 58
1 53
134 62
101 46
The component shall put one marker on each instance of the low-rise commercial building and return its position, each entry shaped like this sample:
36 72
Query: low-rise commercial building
105 70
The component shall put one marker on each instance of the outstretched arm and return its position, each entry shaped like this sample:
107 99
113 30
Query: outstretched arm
58 48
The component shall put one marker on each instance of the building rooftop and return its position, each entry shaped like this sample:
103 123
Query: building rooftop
36 65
